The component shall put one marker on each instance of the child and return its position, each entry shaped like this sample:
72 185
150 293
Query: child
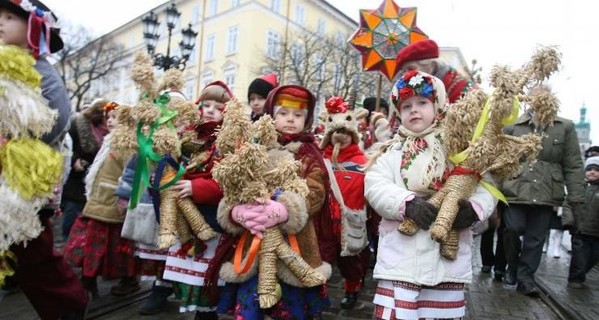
48 282
292 108
258 91
98 230
375 126
414 280
585 240
187 273
341 145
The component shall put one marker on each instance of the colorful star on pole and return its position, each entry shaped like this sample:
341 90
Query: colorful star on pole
382 33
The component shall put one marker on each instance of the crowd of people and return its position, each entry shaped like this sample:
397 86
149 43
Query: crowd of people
367 170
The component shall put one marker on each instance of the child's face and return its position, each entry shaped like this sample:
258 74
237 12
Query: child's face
592 174
212 111
257 103
13 29
111 120
290 121
417 113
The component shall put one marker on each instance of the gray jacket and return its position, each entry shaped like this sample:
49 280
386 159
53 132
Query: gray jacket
559 163
54 91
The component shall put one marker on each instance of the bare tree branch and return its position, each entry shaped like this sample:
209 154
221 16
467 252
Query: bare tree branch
84 60
324 65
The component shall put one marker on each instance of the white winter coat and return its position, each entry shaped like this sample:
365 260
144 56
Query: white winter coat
415 259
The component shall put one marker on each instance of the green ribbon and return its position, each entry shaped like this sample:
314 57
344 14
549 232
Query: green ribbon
146 154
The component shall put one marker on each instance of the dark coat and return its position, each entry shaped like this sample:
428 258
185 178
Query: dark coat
558 164
85 147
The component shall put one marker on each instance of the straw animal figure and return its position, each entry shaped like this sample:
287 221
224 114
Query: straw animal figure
491 152
150 130
255 170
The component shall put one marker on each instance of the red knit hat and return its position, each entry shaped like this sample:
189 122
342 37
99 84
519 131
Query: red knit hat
425 49
291 96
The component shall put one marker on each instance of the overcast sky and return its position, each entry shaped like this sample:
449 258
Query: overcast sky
493 32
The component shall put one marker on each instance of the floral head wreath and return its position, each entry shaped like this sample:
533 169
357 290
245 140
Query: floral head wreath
109 106
413 83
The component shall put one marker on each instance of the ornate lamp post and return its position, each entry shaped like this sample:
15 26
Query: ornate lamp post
151 36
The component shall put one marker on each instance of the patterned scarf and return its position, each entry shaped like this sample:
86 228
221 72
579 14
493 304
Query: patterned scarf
423 163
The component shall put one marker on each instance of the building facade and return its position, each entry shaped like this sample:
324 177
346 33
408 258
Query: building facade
583 130
234 37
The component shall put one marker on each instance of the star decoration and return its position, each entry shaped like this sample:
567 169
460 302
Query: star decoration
382 33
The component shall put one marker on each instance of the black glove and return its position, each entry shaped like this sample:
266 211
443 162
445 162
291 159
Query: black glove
422 212
466 215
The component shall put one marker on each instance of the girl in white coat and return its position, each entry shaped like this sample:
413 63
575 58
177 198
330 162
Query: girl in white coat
415 281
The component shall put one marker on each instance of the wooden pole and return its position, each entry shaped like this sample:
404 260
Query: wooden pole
377 103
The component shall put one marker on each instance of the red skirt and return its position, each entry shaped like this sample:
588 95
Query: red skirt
98 248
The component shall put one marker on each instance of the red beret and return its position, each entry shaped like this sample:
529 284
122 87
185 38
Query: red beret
425 49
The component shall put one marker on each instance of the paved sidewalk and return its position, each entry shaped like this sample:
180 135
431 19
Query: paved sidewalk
486 299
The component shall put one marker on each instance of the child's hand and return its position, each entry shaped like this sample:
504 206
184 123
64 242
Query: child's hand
80 165
122 205
258 217
184 188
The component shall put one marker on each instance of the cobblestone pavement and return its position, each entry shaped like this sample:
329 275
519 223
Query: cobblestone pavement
486 299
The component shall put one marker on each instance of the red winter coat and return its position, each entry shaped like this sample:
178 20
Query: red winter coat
350 181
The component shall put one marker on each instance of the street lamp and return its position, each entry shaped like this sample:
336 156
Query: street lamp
151 36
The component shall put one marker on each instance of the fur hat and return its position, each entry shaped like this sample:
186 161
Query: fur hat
217 91
291 96
418 83
339 117
38 17
591 163
425 49
263 85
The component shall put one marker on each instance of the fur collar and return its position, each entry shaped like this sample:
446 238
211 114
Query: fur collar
86 136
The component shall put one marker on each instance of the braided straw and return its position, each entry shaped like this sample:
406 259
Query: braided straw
168 219
449 247
195 219
447 201
408 227
273 246
183 229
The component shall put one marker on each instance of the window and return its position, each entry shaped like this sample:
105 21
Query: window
272 44
232 40
192 56
319 64
340 38
207 77
212 8
275 5
189 88
234 3
229 76
337 76
195 14
321 27
210 44
300 15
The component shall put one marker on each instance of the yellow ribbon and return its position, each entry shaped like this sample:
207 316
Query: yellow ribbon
458 158
5 269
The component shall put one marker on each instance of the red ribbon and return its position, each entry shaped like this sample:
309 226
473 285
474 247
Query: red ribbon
34 33
458 171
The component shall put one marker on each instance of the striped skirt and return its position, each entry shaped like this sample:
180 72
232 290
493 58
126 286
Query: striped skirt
403 300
